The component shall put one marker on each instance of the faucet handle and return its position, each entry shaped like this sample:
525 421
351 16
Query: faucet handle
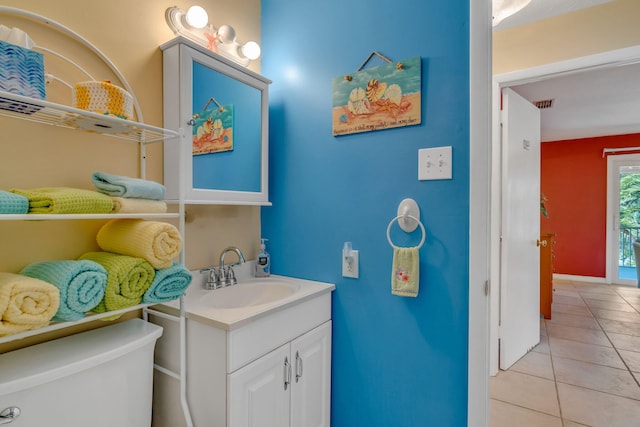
214 279
229 276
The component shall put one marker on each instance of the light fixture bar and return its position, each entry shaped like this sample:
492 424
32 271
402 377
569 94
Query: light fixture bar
194 26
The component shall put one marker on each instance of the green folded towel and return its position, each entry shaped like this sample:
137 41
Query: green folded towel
64 200
405 275
128 279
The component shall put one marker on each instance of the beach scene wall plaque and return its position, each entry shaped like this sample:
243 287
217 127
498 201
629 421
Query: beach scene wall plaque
377 98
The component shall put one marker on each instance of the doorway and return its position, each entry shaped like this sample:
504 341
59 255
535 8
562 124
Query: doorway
615 58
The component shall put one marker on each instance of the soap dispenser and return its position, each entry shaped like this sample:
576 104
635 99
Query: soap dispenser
263 262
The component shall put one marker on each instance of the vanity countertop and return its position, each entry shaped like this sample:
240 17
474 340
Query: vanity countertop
235 306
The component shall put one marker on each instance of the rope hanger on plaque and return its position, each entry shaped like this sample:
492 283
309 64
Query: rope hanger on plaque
399 65
212 128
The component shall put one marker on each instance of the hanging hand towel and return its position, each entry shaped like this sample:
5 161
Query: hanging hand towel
124 186
81 284
405 275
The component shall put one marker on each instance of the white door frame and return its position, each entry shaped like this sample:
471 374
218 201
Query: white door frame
613 187
612 58
479 192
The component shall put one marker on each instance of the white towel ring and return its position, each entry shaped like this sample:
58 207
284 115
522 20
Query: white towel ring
424 233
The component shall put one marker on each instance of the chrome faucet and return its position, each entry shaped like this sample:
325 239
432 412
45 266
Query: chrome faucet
227 274
223 275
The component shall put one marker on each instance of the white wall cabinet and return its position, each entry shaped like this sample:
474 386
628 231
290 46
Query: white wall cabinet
221 108
291 386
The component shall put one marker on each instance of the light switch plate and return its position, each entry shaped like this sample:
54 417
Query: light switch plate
434 163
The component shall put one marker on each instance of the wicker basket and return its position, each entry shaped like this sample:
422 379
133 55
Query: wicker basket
103 98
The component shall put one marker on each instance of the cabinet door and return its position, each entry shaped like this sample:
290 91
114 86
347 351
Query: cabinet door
311 378
258 394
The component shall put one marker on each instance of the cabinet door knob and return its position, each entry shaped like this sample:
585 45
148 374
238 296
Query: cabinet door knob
298 366
542 243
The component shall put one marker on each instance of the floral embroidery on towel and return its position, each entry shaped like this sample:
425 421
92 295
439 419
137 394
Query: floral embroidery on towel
402 275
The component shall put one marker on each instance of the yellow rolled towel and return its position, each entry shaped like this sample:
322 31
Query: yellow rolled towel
25 303
157 242
128 278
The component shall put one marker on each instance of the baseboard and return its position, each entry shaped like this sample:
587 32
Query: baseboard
572 278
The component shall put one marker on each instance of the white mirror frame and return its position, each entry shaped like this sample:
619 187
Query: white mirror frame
178 57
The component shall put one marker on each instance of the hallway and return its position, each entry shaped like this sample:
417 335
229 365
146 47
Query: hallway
586 369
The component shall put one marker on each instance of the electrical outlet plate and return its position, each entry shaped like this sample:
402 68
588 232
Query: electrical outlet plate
434 163
350 265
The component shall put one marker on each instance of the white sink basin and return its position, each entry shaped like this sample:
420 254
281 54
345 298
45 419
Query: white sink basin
249 294
237 305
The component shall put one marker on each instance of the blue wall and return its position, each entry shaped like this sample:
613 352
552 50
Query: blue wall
396 361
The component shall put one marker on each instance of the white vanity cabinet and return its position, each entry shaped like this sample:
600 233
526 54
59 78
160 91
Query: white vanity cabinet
291 386
255 366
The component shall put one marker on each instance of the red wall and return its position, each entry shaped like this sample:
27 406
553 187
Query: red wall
573 177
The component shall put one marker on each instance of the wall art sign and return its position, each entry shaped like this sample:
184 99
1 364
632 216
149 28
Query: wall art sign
382 97
213 129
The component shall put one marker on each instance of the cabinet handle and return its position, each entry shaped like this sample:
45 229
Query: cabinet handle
287 373
9 415
298 366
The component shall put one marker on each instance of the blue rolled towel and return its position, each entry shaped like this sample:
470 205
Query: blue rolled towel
82 285
168 284
124 186
11 203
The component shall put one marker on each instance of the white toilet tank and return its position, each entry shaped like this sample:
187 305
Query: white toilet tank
99 378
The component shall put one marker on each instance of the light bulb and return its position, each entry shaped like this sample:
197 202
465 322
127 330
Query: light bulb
226 34
504 8
196 17
251 50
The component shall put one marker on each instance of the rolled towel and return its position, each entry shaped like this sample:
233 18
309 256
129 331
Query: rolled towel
81 283
125 205
157 242
25 303
169 284
128 279
13 203
65 200
124 186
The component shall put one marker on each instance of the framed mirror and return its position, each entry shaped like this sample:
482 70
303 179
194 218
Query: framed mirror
221 110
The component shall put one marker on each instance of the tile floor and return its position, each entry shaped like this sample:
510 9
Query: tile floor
586 369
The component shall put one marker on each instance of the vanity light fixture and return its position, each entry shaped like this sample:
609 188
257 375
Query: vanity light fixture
194 25
504 8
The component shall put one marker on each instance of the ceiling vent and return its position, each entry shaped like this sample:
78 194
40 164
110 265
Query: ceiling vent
545 103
